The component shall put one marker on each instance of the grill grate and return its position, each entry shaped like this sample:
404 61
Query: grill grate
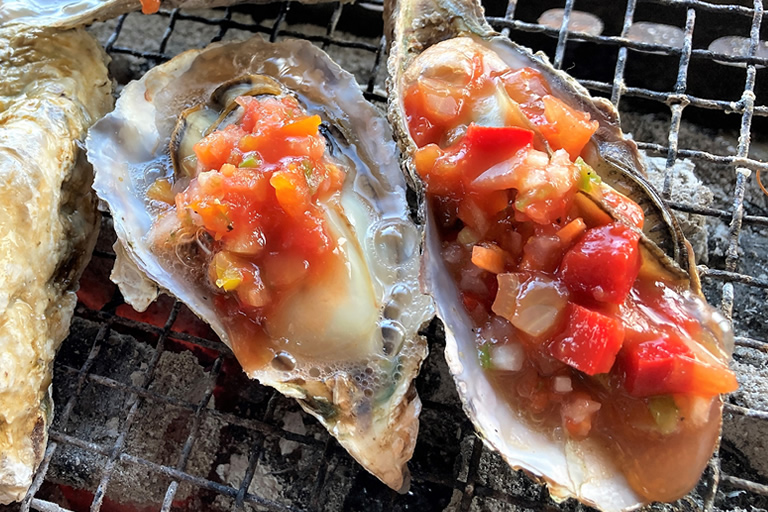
451 468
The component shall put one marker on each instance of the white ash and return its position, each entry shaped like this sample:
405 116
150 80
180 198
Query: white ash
292 422
750 435
685 187
720 178
100 413
160 431
263 484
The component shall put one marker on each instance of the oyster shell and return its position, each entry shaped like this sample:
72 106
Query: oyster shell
428 35
54 86
348 358
72 13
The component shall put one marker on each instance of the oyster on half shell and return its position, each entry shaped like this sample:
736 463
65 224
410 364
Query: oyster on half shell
438 48
73 13
346 347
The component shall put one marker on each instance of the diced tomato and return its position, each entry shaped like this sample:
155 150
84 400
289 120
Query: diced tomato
214 150
603 264
664 365
508 173
624 206
214 215
291 191
524 85
425 157
150 6
306 126
422 130
567 128
590 340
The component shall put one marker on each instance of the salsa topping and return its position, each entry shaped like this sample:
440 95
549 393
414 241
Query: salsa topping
261 197
573 324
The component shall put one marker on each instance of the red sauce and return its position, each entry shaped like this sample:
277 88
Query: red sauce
257 197
572 326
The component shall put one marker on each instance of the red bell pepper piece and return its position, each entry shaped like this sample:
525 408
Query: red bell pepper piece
603 264
590 340
491 138
667 365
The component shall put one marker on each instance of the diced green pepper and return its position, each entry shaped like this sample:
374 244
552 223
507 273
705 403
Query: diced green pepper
307 166
589 178
542 193
664 412
484 354
250 159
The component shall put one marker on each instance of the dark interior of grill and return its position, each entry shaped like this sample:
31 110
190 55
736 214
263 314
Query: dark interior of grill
154 413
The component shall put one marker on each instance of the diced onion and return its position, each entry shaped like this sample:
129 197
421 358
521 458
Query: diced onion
562 384
442 106
508 357
535 319
532 303
694 408
577 414
467 236
506 298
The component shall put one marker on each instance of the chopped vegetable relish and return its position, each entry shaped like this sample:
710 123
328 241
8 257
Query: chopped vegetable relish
256 197
571 325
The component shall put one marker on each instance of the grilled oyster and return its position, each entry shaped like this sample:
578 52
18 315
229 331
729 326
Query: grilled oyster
73 13
54 86
528 178
340 335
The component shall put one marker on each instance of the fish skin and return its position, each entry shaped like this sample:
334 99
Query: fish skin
55 85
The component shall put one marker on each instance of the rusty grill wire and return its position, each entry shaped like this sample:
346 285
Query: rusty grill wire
461 486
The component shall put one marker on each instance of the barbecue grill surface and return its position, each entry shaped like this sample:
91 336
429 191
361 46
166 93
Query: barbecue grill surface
153 413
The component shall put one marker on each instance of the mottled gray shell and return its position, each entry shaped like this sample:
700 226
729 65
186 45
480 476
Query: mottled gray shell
54 86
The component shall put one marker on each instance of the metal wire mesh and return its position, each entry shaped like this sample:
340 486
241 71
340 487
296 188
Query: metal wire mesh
451 468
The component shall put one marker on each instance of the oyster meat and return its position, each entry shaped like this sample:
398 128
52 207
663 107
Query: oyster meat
330 315
54 87
528 178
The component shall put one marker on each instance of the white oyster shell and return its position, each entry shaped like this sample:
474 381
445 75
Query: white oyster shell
364 394
583 469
